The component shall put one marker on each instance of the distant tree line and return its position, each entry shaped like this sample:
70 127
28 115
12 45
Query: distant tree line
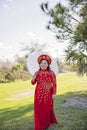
10 72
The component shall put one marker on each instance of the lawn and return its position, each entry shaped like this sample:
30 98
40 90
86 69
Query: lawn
16 104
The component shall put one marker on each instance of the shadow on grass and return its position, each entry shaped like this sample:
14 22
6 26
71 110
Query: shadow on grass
16 118
69 117
9 113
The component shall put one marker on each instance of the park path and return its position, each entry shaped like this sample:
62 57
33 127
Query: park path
21 95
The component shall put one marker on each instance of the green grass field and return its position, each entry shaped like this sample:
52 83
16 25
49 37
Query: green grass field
16 104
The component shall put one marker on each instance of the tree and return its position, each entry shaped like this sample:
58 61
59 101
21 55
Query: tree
22 61
70 22
16 70
31 45
9 76
28 46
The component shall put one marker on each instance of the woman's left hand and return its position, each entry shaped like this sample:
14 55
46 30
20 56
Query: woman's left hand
53 96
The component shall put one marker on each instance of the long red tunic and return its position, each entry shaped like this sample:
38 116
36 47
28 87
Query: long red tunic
43 102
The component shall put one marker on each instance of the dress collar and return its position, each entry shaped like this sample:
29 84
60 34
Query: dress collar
44 69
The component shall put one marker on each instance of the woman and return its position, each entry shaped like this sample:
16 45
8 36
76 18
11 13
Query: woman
45 93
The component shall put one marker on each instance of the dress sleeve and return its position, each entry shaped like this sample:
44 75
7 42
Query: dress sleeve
33 81
54 83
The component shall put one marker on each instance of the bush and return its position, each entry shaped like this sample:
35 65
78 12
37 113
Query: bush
9 76
25 75
4 81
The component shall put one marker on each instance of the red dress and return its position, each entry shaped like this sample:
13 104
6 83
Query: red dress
43 102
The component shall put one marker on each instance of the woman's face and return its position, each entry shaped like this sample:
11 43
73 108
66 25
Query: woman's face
44 64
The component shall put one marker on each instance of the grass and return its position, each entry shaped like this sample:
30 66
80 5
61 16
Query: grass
16 112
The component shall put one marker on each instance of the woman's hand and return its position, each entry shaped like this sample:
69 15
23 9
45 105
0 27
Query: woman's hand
53 96
34 77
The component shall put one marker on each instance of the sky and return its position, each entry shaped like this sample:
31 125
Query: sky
22 20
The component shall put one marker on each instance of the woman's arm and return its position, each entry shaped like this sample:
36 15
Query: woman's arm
54 85
33 81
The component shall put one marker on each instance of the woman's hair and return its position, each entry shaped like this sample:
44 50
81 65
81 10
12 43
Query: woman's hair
48 65
48 68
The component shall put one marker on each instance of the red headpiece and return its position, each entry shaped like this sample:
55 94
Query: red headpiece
44 57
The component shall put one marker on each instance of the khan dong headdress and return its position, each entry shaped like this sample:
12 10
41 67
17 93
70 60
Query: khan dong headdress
44 57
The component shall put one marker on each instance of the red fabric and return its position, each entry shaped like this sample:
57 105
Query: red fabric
43 103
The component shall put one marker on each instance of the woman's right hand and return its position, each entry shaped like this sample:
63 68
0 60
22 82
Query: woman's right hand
53 96
34 76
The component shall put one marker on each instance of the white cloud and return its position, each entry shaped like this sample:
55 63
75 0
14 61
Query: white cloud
1 44
9 0
5 6
8 51
5 47
31 34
